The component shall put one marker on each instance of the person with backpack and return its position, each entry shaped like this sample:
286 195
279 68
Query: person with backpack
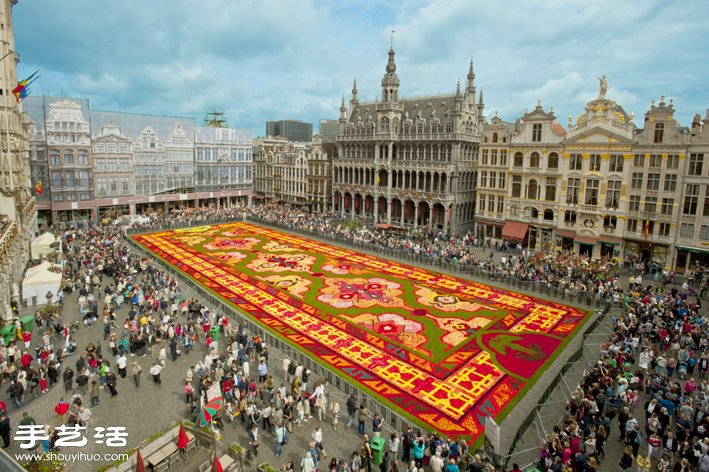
281 438
626 460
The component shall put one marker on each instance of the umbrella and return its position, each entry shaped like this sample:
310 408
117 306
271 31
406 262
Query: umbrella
139 464
208 412
216 465
182 438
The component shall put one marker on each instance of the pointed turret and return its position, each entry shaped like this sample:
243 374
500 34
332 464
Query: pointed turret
481 105
457 100
354 92
471 77
390 82
343 109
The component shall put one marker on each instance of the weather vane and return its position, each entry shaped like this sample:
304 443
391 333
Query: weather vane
392 38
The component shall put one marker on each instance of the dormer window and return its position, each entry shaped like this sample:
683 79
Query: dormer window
536 133
659 132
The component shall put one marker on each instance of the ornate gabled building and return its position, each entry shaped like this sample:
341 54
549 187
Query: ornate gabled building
692 196
149 163
531 185
603 187
113 165
18 208
179 160
409 162
70 159
319 175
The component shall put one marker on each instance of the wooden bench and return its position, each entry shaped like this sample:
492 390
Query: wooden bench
152 452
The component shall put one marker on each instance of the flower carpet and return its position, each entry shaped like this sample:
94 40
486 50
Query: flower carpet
442 351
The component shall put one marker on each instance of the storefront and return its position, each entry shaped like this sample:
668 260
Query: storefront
565 239
515 231
691 258
610 246
488 229
586 245
645 251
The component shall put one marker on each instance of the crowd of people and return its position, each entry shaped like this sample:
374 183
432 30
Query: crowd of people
650 385
658 332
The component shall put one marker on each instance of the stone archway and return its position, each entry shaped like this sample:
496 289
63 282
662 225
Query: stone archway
438 216
424 215
336 197
348 203
382 209
383 178
369 206
409 212
396 211
357 204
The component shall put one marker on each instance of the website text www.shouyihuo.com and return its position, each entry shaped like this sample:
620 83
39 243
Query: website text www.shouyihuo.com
70 457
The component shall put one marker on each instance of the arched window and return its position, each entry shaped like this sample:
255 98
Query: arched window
553 161
494 137
534 160
532 190
549 215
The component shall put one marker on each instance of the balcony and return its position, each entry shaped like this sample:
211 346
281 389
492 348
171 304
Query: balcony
7 238
590 208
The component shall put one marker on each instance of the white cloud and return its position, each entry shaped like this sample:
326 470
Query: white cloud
273 59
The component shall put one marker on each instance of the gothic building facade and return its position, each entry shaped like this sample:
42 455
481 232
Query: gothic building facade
409 162
18 213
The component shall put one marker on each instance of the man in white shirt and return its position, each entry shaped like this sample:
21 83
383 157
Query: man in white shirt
121 362
84 416
155 372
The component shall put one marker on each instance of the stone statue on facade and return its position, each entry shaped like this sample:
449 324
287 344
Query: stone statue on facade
603 86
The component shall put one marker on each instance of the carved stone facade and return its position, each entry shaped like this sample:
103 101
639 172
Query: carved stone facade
602 187
18 212
409 162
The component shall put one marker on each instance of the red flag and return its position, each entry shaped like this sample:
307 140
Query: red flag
216 465
139 464
182 438
647 228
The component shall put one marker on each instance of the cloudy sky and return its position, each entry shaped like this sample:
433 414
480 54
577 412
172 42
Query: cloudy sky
281 59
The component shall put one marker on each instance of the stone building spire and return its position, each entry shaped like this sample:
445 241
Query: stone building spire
354 92
471 77
390 82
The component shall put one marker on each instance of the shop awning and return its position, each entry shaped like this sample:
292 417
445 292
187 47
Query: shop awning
384 226
695 250
585 240
565 233
515 230
604 238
